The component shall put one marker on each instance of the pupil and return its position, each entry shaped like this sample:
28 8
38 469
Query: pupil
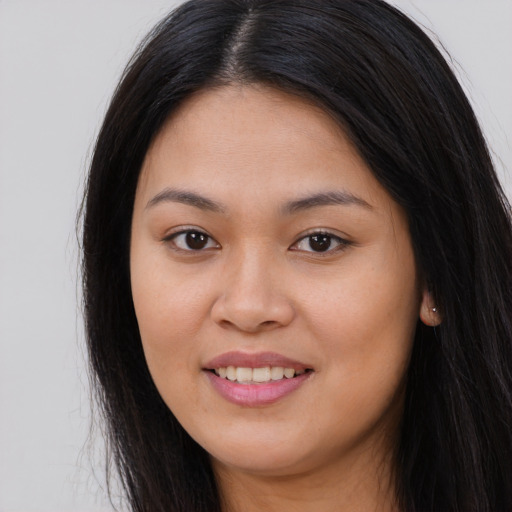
196 240
320 243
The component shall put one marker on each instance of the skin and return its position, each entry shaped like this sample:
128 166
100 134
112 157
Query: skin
258 285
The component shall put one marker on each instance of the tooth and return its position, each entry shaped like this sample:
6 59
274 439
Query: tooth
276 372
261 374
265 374
231 373
243 374
289 373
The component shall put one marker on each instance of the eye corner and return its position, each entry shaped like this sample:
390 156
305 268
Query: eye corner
190 240
320 243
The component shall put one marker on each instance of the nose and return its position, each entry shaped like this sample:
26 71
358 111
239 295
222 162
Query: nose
251 295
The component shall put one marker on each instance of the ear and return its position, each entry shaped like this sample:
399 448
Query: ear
429 312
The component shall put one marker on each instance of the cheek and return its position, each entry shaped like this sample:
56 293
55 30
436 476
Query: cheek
169 319
363 307
364 323
169 309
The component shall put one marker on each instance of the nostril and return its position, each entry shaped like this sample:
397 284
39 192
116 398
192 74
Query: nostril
251 312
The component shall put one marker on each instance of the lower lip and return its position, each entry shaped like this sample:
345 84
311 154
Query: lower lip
254 395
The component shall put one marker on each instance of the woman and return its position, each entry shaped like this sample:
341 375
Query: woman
298 268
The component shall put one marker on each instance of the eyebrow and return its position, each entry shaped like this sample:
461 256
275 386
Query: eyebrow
328 198
338 197
186 197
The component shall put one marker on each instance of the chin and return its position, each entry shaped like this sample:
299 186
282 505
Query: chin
265 459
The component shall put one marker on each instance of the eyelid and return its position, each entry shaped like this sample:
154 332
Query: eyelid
183 230
343 242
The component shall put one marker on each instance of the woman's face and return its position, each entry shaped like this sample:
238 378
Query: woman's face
274 284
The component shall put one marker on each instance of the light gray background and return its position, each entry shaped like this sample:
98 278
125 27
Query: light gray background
59 62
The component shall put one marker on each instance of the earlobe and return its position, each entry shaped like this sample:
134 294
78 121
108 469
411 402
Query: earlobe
429 312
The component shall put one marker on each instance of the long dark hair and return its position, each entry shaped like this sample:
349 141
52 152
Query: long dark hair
384 81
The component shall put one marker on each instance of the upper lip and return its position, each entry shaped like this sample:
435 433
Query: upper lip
254 360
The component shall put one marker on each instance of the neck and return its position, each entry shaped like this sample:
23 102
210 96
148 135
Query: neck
363 484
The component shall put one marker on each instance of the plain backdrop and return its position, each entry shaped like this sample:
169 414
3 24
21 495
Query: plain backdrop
59 63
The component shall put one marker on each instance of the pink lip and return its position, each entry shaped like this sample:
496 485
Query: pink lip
254 395
257 360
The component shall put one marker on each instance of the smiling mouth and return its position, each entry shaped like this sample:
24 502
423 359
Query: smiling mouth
256 379
263 375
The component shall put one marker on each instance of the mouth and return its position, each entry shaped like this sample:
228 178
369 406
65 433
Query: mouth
260 375
255 380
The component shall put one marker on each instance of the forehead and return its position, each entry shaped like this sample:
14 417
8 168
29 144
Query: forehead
238 139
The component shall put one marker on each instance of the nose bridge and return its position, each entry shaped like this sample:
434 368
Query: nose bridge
252 293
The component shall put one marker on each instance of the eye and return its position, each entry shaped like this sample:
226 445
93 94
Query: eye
320 243
192 240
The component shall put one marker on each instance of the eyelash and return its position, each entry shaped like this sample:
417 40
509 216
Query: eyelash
190 232
201 236
342 243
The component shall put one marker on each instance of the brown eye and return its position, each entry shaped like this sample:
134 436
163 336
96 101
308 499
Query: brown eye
196 240
320 243
193 241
